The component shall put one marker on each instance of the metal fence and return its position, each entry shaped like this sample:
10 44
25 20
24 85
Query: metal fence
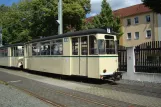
122 53
148 57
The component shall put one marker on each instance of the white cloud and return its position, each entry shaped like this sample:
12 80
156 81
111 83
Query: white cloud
115 4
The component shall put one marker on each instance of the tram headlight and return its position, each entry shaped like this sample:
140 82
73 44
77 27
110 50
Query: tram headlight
104 71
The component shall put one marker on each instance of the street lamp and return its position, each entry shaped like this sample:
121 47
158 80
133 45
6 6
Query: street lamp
60 15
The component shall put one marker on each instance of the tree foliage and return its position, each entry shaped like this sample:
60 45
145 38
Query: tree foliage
30 19
155 5
106 19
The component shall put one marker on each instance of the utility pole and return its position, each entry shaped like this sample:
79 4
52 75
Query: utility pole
0 36
60 17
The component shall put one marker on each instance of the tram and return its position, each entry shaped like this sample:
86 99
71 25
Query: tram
90 53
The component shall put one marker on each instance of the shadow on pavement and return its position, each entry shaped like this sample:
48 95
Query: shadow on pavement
67 78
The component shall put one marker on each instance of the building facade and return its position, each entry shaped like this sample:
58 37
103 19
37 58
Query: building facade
139 25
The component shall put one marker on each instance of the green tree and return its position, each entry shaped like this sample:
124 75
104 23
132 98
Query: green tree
106 19
30 19
155 5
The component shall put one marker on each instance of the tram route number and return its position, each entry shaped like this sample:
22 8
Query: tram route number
65 39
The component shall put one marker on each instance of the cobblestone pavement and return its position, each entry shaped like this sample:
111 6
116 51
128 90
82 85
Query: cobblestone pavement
108 95
11 97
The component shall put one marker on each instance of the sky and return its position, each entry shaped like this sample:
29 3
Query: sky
115 4
95 4
8 2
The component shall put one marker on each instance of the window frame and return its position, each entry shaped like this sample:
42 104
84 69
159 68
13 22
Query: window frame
147 34
36 48
146 19
78 38
86 44
42 43
135 36
135 20
127 22
52 42
89 45
128 36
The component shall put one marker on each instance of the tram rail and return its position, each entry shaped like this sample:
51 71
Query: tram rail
55 104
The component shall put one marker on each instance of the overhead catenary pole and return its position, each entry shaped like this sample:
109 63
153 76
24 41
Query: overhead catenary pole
60 17
0 36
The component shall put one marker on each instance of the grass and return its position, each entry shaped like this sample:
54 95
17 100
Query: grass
2 82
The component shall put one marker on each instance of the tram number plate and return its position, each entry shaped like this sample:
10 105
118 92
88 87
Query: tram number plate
65 39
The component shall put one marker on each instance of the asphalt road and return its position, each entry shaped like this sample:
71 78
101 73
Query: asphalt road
55 93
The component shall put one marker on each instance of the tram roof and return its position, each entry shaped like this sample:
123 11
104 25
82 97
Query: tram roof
77 33
69 34
11 45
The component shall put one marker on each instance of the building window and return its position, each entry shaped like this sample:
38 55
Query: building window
136 35
128 22
136 20
129 36
148 34
148 18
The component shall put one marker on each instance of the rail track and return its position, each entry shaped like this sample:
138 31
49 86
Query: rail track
55 104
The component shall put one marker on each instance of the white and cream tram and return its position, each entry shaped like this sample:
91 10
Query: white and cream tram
12 55
91 53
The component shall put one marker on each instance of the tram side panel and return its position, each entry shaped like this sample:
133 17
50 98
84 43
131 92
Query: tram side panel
4 58
108 63
46 64
16 61
57 64
93 67
4 61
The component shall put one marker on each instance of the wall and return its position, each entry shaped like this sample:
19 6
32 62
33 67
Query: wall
132 75
141 27
159 27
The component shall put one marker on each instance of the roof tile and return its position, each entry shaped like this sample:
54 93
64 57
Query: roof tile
132 10
128 11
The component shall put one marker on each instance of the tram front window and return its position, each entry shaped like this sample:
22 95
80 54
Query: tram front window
107 47
101 46
110 47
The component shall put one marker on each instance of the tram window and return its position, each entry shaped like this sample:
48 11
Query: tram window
20 51
35 49
92 45
84 45
57 47
45 48
5 52
110 47
101 46
60 47
1 53
74 46
12 51
15 51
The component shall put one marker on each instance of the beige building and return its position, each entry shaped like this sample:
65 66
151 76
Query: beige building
139 25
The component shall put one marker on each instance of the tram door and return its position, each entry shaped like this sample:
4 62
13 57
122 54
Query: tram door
83 55
79 59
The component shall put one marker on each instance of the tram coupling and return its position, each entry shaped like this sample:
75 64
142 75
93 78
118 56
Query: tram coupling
116 76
